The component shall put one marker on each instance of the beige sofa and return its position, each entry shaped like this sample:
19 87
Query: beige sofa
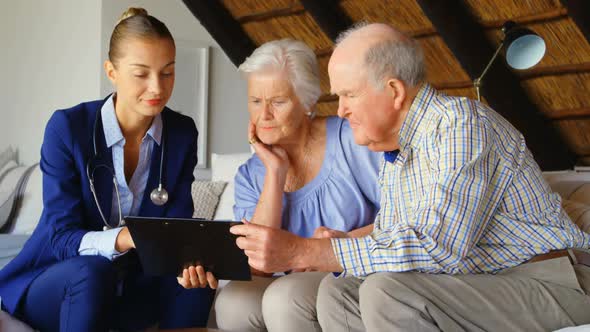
573 186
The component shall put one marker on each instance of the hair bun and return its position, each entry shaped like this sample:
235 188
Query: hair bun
132 11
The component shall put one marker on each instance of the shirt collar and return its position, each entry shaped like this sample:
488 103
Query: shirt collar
112 130
412 128
390 156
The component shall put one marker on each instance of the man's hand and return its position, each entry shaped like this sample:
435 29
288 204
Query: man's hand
269 249
275 250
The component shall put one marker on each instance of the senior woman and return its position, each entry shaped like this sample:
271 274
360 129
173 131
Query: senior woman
307 176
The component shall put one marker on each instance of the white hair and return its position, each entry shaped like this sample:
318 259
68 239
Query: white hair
400 57
297 59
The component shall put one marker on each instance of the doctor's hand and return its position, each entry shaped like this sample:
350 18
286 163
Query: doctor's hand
124 240
196 277
274 158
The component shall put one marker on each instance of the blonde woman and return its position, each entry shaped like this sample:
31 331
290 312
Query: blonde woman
100 161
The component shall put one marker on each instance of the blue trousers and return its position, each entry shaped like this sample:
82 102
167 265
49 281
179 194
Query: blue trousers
80 294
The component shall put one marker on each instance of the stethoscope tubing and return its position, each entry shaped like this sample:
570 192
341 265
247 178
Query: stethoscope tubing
158 196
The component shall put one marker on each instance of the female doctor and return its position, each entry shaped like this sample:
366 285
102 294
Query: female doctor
125 155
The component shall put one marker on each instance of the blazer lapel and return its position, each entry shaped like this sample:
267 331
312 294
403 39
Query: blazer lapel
148 208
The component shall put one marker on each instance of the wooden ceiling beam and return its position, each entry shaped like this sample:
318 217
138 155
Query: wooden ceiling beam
328 15
327 98
552 15
288 11
579 11
226 31
467 41
324 52
569 114
423 33
556 70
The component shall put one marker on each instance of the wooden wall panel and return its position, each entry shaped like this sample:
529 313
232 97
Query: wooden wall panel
404 15
327 108
441 64
300 27
554 93
494 10
240 8
577 135
324 79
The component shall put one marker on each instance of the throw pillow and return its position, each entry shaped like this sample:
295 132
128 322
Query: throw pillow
9 181
224 168
30 204
6 155
206 198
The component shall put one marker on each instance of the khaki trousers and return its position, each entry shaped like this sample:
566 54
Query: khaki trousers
285 303
539 296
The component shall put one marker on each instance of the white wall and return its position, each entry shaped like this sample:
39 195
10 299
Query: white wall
52 55
50 59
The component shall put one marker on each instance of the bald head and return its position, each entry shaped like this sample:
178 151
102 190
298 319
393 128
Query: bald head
369 34
382 51
375 70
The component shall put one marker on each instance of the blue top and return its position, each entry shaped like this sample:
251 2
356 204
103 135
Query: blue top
343 196
103 242
69 210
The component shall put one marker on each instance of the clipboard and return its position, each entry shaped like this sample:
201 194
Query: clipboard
166 246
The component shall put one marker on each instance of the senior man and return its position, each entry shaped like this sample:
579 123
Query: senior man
469 236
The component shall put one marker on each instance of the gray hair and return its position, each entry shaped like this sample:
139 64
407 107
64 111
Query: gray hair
400 57
296 58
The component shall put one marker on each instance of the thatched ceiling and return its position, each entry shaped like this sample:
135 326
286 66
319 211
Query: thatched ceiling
549 103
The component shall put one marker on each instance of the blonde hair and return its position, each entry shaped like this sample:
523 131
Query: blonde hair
136 23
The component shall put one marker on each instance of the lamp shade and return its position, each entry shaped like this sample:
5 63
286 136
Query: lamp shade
524 48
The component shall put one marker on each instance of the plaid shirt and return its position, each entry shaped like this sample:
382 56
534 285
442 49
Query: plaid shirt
463 196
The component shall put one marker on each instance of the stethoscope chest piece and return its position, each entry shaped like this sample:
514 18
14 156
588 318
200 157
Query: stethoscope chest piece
159 196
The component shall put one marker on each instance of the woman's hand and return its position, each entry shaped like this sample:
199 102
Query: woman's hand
274 158
196 277
323 232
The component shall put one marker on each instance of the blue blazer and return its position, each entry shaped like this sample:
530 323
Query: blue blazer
69 210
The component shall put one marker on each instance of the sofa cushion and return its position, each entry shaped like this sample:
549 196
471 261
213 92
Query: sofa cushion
9 182
30 203
206 196
6 155
581 194
224 168
579 213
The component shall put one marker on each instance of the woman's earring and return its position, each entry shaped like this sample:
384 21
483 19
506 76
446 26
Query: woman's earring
310 114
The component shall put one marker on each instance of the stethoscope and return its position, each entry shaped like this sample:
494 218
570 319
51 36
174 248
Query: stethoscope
158 196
